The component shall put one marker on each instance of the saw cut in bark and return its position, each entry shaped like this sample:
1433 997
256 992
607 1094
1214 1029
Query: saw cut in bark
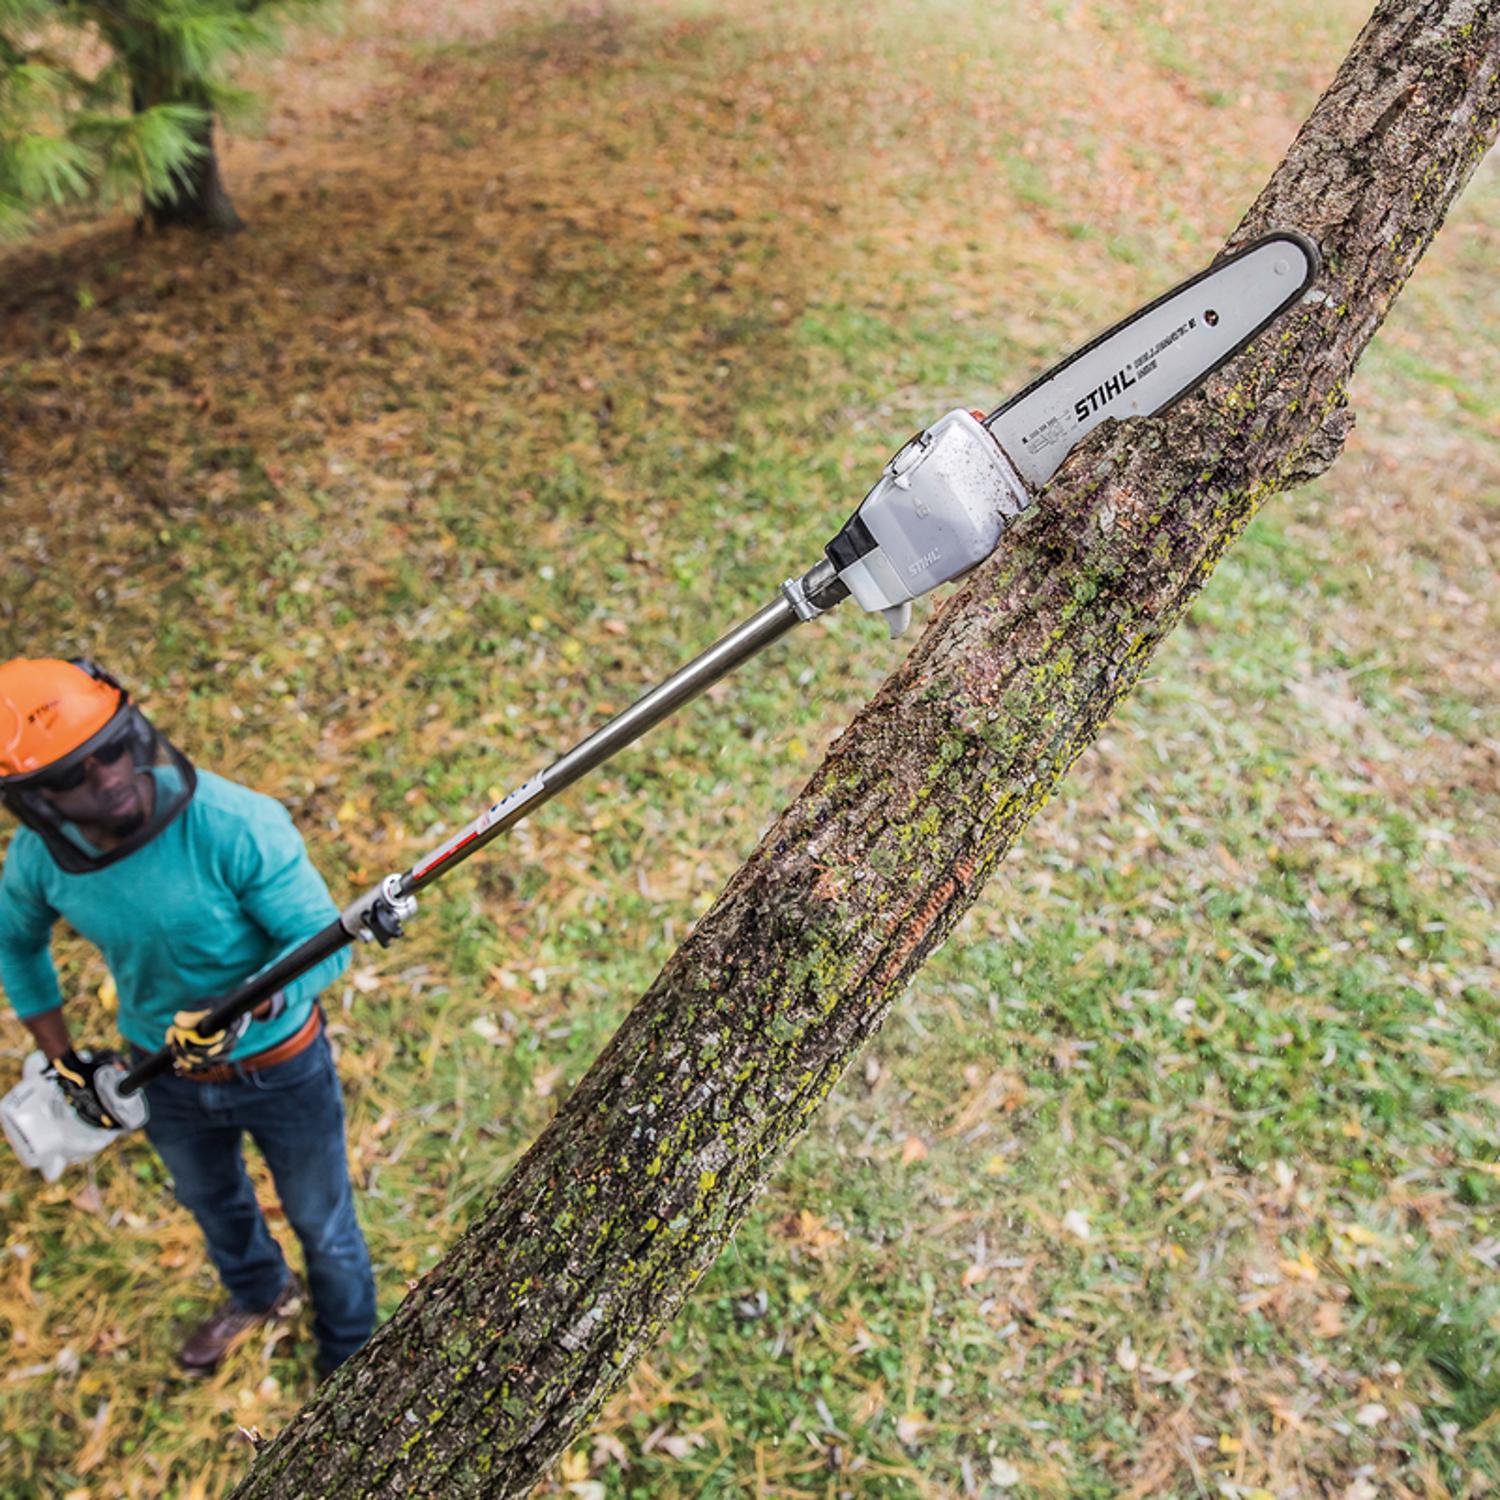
508 1348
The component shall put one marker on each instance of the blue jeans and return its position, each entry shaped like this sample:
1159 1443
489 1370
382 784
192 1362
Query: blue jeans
294 1112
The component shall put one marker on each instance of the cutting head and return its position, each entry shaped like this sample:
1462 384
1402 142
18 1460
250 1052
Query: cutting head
948 496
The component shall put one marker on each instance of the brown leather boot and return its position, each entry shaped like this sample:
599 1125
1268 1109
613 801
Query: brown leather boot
213 1338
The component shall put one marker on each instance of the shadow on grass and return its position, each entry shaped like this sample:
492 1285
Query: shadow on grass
1426 1316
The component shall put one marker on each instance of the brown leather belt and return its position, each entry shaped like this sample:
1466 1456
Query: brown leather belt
299 1041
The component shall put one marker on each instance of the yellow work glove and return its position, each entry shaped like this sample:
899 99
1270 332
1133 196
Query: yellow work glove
192 1047
76 1075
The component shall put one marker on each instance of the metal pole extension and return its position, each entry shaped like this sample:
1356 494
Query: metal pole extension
819 589
660 703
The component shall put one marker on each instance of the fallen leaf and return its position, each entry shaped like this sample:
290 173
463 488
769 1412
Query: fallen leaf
1076 1223
808 1232
679 1445
608 1449
1328 1320
96 1450
1301 1269
1003 1473
87 1199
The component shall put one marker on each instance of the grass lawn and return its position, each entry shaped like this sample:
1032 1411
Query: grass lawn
559 338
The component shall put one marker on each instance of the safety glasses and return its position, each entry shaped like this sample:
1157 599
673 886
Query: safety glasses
75 776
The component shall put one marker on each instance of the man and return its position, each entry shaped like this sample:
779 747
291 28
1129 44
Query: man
188 884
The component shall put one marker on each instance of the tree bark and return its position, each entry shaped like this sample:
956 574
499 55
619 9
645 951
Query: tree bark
511 1344
200 200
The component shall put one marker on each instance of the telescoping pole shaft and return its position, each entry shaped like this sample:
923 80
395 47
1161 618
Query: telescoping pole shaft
660 703
819 587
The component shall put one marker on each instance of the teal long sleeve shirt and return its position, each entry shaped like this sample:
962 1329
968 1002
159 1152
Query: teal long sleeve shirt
221 892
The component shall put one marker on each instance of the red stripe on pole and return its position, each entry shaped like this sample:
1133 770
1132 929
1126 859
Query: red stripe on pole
446 855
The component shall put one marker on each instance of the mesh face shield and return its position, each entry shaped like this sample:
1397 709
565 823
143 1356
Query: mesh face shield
164 778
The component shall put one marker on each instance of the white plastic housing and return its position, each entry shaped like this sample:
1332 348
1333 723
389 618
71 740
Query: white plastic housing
939 509
42 1127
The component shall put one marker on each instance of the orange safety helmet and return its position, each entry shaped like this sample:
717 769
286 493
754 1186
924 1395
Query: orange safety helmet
48 708
54 717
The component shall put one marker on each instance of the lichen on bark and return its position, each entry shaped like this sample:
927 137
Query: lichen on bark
511 1344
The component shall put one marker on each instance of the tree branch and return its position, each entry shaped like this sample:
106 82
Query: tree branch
509 1347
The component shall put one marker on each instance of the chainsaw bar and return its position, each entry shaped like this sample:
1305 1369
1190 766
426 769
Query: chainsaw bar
1154 357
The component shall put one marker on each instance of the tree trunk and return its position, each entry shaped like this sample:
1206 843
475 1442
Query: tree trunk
511 1344
200 200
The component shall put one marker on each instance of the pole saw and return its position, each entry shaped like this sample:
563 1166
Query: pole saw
939 508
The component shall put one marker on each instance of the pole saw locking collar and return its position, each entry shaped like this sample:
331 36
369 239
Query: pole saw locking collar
380 915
